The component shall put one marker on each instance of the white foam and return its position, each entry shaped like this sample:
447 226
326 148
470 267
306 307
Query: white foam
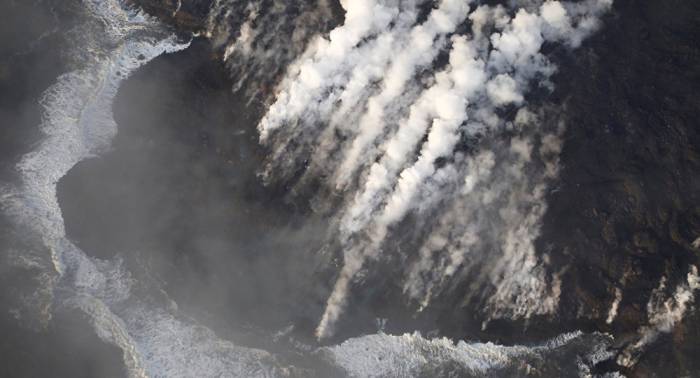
411 355
78 123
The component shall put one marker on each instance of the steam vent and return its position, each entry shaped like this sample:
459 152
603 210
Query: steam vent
349 188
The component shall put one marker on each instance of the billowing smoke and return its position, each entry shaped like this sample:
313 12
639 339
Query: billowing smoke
410 108
663 312
498 207
259 39
412 117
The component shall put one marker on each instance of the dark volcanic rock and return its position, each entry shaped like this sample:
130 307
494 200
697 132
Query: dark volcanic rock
625 214
628 207
187 15
275 33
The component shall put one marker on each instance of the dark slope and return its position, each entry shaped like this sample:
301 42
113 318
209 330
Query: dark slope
628 207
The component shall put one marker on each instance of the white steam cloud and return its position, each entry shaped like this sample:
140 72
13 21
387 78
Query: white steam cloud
663 314
259 38
380 112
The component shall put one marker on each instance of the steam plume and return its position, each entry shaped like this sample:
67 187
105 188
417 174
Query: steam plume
387 130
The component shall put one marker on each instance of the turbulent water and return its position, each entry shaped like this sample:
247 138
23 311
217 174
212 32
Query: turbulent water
421 131
78 124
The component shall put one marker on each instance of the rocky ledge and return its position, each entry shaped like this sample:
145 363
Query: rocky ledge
186 15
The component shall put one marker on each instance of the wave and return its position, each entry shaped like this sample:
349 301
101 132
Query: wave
78 124
411 355
493 190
